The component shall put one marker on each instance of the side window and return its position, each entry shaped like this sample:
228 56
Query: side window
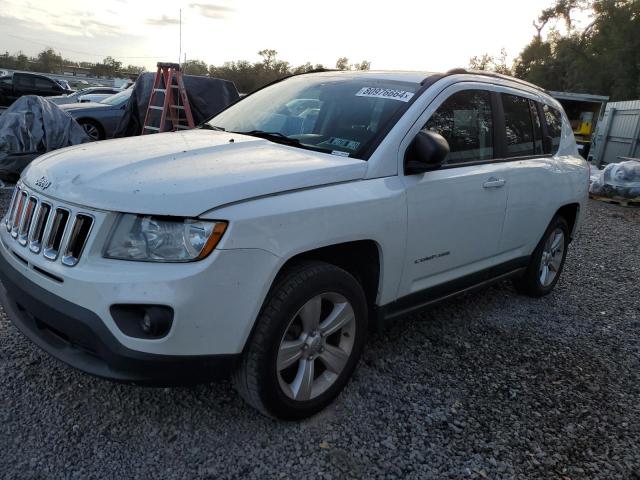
23 81
465 121
44 84
537 128
553 119
519 127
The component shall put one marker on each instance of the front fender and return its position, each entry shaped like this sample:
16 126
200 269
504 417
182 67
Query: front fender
296 222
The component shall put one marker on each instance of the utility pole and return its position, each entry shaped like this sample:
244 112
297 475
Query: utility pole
180 41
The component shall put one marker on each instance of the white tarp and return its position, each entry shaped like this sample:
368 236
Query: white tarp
620 180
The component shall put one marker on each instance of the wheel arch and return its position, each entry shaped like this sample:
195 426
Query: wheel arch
570 213
361 258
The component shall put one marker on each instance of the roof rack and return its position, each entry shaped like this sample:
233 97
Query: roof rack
462 71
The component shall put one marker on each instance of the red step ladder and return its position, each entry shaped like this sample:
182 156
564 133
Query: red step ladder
174 108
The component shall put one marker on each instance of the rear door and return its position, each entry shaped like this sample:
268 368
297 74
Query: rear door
456 213
535 179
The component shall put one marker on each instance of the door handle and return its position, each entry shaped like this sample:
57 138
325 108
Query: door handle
494 182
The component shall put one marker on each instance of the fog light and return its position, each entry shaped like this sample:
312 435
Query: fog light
147 324
143 321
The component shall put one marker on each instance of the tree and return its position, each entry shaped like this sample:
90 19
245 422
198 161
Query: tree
135 70
602 58
491 63
342 63
195 67
49 61
363 65
268 57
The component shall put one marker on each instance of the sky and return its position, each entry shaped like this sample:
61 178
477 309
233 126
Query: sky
403 34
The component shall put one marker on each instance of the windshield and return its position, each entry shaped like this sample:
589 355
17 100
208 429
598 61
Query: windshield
117 99
335 114
80 92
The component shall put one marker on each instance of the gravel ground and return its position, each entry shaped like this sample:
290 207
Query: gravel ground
491 385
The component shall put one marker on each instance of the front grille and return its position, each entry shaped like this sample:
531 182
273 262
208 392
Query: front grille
41 226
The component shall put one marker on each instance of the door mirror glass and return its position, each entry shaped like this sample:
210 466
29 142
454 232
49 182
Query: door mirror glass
426 152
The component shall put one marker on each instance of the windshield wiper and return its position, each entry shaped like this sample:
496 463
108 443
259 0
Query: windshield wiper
275 137
207 126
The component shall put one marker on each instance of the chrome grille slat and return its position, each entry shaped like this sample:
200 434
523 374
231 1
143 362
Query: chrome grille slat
17 218
27 218
8 221
78 235
56 234
47 228
39 226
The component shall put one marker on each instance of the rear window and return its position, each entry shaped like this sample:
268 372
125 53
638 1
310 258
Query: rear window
553 119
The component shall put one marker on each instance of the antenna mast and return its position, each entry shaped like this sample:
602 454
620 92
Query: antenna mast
180 41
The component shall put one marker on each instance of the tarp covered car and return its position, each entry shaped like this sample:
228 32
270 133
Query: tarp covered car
207 96
30 127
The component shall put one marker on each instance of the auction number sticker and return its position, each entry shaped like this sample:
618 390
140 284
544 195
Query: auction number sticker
389 93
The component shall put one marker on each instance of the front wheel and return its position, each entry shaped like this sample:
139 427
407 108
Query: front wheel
547 260
306 344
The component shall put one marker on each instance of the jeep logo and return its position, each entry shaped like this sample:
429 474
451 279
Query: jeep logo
43 183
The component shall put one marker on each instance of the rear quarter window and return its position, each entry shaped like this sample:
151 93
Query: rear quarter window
553 120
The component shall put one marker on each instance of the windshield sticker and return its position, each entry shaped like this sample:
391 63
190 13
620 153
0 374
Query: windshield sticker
385 93
341 142
340 154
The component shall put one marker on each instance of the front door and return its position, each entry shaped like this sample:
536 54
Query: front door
456 213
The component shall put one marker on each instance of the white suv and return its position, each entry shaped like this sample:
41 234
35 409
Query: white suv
267 242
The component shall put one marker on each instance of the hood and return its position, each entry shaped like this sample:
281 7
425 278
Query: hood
183 173
83 106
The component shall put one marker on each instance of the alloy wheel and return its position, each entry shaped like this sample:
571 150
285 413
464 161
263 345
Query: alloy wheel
316 346
551 257
92 131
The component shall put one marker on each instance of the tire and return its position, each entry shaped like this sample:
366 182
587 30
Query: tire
93 129
292 303
533 282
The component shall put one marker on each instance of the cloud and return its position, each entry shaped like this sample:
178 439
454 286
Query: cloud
217 12
162 21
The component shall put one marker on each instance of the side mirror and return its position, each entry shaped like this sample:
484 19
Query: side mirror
426 152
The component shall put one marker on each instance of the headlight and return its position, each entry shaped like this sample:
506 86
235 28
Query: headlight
163 239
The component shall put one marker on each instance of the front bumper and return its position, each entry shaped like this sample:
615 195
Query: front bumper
78 337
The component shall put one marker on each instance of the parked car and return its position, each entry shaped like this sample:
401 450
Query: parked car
14 86
100 119
268 242
91 94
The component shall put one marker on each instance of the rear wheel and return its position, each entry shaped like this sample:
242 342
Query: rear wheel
547 261
306 343
92 129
